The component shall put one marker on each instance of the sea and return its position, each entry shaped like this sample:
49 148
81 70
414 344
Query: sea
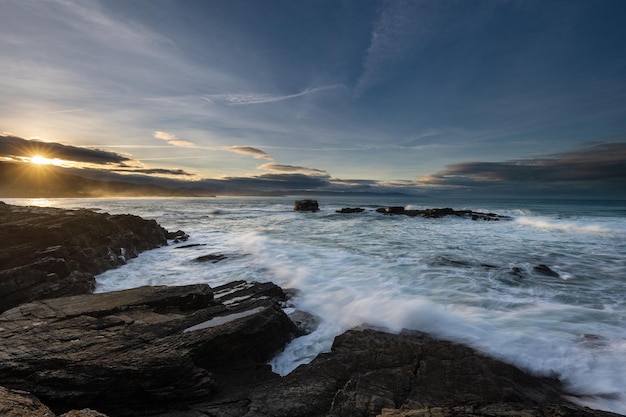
473 282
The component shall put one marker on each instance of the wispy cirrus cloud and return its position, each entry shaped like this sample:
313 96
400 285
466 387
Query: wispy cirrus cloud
292 169
249 150
246 98
399 31
173 139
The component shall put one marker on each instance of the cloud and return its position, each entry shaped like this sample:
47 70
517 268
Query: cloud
13 147
271 166
156 171
596 167
236 99
248 150
400 30
173 139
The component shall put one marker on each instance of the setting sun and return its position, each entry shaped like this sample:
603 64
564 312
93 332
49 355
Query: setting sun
42 160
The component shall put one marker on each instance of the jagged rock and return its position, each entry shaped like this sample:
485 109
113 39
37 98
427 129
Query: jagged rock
436 213
15 403
86 412
391 210
193 245
545 270
213 258
149 348
48 252
348 210
306 205
370 373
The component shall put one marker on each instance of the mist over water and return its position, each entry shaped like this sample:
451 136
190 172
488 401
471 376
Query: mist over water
469 281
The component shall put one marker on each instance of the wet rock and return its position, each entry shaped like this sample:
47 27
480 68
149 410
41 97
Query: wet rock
149 348
391 210
437 213
349 210
193 245
48 252
370 373
306 205
22 404
517 272
305 322
545 270
213 258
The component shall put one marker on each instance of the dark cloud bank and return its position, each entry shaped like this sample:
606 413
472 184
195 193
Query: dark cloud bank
597 171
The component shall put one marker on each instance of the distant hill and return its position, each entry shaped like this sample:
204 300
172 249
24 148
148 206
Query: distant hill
23 180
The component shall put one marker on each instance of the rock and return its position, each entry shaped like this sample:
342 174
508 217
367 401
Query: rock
370 373
348 210
517 272
193 245
306 205
145 349
213 258
177 236
545 270
48 252
86 412
15 403
436 213
391 210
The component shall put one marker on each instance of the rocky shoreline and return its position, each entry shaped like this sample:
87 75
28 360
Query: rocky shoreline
197 351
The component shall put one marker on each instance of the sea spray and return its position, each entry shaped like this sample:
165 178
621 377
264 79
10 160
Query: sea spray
468 281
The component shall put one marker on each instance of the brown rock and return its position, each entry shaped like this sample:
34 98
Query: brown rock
306 205
149 348
15 403
47 252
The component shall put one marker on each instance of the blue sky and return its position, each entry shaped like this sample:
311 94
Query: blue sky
408 95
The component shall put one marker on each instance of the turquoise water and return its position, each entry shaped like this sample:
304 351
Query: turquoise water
468 281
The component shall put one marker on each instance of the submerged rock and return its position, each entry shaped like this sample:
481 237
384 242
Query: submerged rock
212 257
545 270
48 252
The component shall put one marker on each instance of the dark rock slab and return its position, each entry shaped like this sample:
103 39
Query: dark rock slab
370 373
545 270
306 205
48 252
349 210
212 257
145 349
437 213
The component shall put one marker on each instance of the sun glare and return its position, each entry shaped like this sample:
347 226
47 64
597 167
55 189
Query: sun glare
42 160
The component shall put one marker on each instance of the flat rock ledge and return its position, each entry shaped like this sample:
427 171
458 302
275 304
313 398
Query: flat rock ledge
128 352
49 252
196 351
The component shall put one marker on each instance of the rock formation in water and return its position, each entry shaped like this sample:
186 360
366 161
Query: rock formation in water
306 205
48 252
436 213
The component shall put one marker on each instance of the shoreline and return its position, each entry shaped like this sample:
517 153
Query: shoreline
367 372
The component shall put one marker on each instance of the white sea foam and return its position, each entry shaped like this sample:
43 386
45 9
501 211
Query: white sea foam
472 282
562 226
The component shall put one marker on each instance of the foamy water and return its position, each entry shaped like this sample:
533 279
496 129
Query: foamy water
468 281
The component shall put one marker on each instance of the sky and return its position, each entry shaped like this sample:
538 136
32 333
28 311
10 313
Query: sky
491 97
